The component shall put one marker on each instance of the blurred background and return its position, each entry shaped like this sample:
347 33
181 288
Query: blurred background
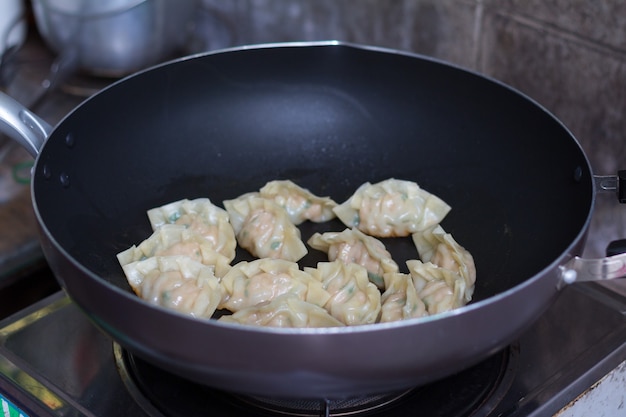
569 56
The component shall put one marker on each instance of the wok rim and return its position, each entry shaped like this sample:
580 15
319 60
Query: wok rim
568 253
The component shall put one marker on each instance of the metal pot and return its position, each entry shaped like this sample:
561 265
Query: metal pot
12 25
115 37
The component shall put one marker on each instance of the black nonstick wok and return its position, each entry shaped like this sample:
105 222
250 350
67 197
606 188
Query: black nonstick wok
329 117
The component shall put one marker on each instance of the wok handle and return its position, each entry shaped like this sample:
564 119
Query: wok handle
23 126
614 265
581 269
613 184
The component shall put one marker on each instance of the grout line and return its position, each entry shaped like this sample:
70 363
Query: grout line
556 31
477 34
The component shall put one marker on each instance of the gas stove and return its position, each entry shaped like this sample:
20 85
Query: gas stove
54 362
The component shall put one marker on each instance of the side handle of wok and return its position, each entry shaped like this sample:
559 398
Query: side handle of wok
23 126
614 265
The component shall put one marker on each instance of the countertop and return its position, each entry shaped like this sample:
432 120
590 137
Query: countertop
605 398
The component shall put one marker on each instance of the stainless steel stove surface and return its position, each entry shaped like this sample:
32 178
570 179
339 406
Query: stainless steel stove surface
54 362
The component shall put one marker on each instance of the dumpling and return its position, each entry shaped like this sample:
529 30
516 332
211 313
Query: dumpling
251 283
353 298
177 240
176 282
286 310
400 300
353 246
263 228
392 208
300 203
202 217
436 246
440 289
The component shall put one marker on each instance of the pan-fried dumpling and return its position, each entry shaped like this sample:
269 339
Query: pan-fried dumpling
176 282
392 208
436 246
202 217
251 283
440 289
300 203
286 310
400 300
263 228
353 298
177 240
353 246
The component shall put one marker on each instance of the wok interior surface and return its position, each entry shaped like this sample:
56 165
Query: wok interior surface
328 117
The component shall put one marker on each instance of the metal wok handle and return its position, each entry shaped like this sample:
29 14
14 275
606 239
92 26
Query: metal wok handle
614 265
612 184
580 269
23 126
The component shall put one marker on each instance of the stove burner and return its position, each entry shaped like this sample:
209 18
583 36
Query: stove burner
473 392
357 406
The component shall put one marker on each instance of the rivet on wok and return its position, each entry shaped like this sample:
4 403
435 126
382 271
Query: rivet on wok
65 180
69 140
569 276
578 174
47 172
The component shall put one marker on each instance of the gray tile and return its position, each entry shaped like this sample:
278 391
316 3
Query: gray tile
446 30
583 86
603 21
440 28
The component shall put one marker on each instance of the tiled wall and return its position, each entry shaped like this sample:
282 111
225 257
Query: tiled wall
569 55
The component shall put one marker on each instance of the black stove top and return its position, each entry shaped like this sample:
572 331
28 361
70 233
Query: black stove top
54 362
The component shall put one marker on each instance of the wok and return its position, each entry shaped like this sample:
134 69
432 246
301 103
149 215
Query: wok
329 117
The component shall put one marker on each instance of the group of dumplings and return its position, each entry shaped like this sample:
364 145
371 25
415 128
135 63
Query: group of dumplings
186 264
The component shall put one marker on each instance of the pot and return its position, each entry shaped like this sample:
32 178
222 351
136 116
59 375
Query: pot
221 124
115 38
12 25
